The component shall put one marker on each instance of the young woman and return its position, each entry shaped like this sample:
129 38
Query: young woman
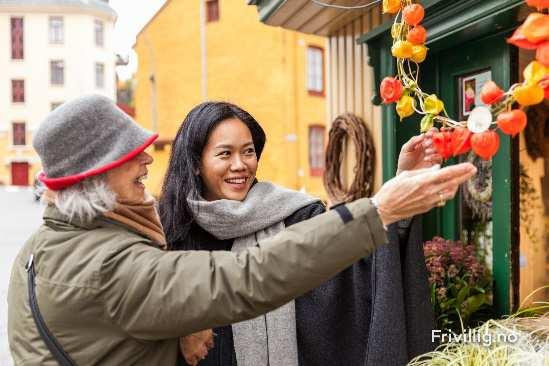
211 200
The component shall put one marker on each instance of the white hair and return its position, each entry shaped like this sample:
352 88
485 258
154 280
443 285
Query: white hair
85 200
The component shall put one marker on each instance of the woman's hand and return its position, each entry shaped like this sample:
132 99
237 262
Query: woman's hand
418 191
418 153
195 347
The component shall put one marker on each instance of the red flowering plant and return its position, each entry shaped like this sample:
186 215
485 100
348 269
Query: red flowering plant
460 284
499 112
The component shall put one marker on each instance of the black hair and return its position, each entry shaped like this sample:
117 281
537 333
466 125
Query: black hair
181 180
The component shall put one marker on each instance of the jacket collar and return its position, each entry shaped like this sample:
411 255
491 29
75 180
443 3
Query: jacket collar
55 219
53 216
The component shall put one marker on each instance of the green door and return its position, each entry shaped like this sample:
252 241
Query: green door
460 73
465 38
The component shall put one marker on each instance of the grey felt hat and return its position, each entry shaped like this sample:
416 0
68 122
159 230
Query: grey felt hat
85 137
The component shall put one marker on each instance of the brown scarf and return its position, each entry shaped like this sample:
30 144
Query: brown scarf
142 217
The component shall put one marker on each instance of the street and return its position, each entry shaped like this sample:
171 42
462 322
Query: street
20 215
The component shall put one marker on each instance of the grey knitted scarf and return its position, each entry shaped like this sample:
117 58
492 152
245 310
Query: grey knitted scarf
268 340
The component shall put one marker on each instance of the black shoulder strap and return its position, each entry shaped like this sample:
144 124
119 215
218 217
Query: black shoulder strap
53 345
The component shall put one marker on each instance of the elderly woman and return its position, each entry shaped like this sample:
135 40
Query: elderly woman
94 286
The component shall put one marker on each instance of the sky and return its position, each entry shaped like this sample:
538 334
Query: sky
132 16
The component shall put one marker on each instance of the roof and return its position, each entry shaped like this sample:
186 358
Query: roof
100 7
309 17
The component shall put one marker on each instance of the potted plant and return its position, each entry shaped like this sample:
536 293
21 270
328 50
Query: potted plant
460 284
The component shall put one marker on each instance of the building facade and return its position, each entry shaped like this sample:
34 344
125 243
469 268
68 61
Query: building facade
51 51
192 51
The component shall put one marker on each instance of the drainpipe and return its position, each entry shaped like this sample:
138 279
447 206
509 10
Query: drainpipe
297 46
203 53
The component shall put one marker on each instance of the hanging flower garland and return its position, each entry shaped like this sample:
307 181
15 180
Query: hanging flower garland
478 133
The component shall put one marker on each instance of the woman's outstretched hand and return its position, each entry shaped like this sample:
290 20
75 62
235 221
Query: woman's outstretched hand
414 192
195 347
418 153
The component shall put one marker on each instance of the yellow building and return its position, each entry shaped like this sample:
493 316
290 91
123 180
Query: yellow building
192 51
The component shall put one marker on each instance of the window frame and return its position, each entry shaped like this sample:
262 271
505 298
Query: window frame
13 87
314 169
52 81
100 85
211 16
52 36
14 54
99 32
14 134
315 92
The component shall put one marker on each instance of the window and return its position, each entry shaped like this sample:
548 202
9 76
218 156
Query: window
99 33
212 10
315 70
18 91
56 30
316 150
55 105
57 72
99 75
19 134
17 46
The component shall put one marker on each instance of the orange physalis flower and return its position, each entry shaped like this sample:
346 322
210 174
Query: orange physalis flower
390 90
413 14
535 72
391 6
461 141
433 105
536 27
490 93
485 144
402 49
405 106
442 142
417 35
528 94
419 53
512 122
539 4
519 39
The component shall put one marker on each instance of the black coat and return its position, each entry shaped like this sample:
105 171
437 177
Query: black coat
356 318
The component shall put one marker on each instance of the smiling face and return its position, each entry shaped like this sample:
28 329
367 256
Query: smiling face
229 161
127 179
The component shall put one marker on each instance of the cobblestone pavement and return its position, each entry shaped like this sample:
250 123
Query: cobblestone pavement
20 215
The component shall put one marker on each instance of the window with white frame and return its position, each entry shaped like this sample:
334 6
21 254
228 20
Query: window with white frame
99 75
57 72
315 70
19 134
56 30
316 150
99 30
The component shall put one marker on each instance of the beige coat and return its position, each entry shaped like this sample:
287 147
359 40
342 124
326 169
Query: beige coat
112 298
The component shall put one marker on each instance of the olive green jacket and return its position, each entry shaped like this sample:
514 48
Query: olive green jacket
111 297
